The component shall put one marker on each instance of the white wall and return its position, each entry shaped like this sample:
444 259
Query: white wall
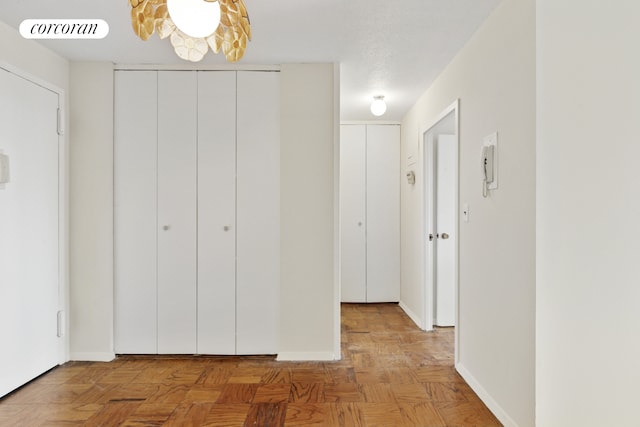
33 58
494 78
91 210
588 277
308 132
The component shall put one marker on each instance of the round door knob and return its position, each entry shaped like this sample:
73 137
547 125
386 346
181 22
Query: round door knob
166 227
444 236
359 224
226 228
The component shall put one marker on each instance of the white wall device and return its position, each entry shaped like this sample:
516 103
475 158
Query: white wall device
489 163
411 177
4 169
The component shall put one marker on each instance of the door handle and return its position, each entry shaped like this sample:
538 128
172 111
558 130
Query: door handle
444 236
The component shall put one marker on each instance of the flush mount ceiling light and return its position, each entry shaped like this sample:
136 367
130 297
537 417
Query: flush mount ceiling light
195 26
195 18
378 106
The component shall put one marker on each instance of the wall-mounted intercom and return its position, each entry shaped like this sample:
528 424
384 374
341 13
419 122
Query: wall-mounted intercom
4 168
489 163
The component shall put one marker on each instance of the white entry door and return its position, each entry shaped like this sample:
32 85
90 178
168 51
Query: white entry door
440 142
446 155
29 224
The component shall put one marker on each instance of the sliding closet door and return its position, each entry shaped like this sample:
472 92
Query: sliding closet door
217 212
135 211
177 136
258 211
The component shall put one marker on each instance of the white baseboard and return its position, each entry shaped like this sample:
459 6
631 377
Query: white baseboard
301 356
92 357
412 315
493 406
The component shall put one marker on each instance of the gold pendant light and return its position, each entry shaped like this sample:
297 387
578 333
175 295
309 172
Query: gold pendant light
232 33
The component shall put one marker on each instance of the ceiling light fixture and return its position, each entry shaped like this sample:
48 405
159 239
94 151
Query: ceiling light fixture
194 26
378 106
195 18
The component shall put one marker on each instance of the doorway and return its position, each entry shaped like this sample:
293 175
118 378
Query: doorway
440 159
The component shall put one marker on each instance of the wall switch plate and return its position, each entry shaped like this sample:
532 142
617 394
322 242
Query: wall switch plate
4 169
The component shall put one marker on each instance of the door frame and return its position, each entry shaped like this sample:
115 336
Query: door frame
426 139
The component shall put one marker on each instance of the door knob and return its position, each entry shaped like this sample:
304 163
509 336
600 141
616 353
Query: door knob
166 227
360 224
226 228
430 237
445 236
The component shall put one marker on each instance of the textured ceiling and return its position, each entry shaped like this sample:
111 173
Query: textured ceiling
394 48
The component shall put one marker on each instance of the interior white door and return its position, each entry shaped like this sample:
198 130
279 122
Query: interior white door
177 194
383 213
447 158
217 212
353 259
29 240
135 211
258 212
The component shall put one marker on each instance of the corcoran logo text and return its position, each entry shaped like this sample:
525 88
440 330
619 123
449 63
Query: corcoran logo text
64 29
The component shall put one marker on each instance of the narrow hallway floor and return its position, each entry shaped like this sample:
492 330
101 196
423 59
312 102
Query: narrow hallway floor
392 374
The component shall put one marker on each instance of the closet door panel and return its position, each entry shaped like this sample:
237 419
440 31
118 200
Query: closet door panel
217 212
177 135
135 211
383 213
353 213
258 212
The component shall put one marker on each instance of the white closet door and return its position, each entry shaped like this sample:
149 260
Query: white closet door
383 213
352 213
135 211
258 212
29 245
217 212
177 136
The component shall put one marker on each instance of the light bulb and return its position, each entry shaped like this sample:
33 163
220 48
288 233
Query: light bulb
195 18
378 106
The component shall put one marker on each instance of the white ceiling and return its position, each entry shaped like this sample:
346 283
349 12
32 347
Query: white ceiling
394 48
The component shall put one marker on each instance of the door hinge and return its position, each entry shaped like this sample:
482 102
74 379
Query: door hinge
60 122
61 323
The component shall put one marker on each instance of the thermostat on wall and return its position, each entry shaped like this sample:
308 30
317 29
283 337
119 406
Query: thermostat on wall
4 168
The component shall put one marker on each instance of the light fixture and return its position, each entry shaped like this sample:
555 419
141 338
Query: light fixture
195 26
378 106
195 18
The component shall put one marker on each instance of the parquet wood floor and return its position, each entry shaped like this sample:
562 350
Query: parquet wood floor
392 374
